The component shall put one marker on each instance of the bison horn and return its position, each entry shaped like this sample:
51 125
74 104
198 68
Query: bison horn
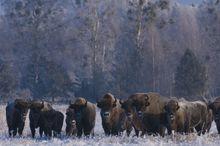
146 102
86 103
21 103
147 97
121 101
177 105
115 102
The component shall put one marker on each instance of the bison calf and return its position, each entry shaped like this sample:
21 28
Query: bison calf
132 116
70 122
51 122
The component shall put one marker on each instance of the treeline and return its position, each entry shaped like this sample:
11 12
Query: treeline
57 50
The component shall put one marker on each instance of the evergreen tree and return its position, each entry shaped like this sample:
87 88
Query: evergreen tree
8 80
46 78
190 76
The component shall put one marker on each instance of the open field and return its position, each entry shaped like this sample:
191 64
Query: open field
100 139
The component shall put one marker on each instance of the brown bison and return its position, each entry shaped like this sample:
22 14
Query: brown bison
85 116
70 122
150 109
132 116
215 107
184 116
114 120
36 109
16 113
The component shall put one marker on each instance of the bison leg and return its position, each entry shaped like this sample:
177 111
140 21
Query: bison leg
162 131
14 131
107 132
143 132
218 128
41 131
20 129
128 131
79 132
200 129
136 132
87 132
55 134
32 130
10 131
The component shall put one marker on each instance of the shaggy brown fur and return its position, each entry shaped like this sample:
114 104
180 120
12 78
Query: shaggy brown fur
114 120
85 116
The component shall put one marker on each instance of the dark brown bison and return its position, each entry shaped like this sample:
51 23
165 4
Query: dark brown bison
132 116
114 120
215 107
70 122
36 109
184 116
16 113
150 109
85 116
51 122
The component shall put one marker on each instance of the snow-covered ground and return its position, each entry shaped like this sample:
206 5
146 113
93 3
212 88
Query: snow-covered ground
209 139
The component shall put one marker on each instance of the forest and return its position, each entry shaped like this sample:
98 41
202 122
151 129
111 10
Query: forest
58 50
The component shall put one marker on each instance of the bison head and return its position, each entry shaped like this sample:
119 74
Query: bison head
79 105
36 105
22 106
106 104
171 108
140 102
127 106
215 107
35 110
70 122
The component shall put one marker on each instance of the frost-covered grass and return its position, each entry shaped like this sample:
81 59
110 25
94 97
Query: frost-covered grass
183 140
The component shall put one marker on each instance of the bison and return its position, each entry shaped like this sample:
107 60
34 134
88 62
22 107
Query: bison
114 120
215 107
150 110
70 122
36 109
51 121
132 116
184 116
85 116
16 113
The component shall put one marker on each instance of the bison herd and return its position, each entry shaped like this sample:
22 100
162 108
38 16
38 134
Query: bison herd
145 113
